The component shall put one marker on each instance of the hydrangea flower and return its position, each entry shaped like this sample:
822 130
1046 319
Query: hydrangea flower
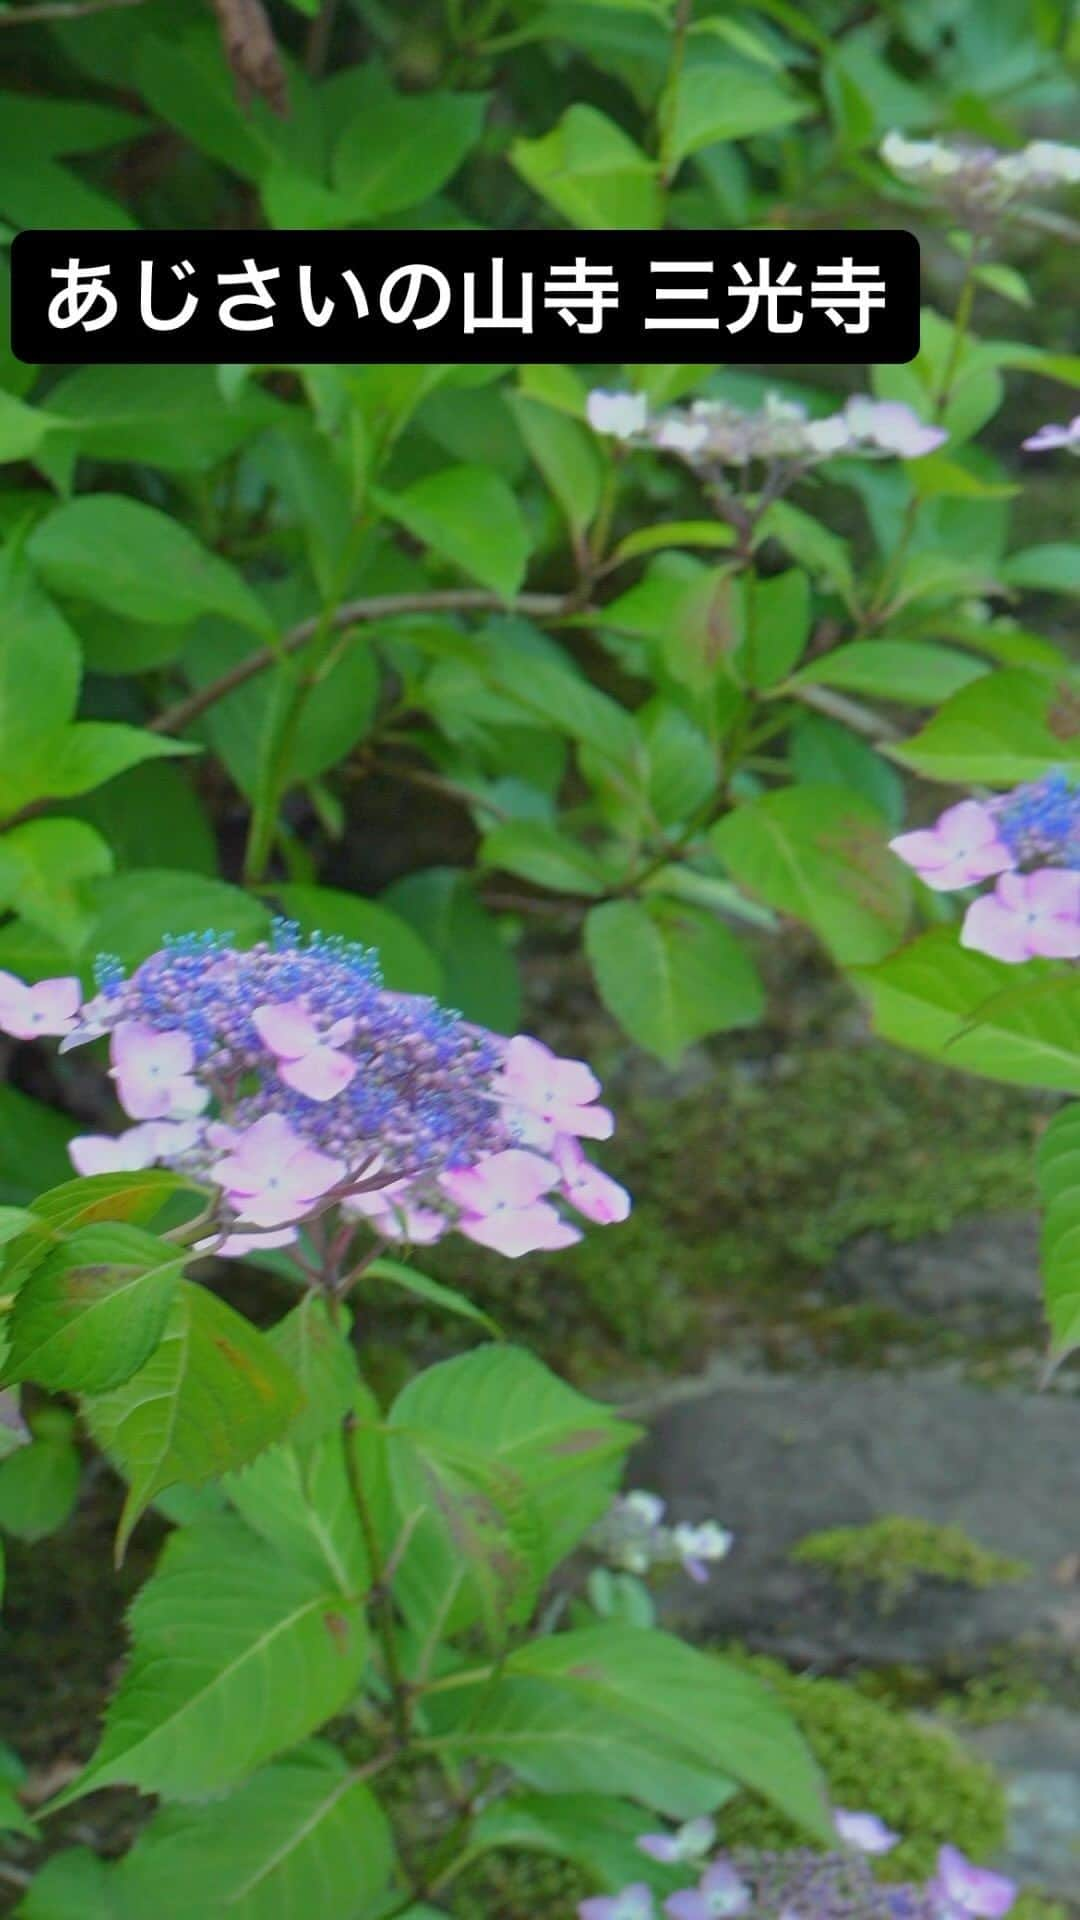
968 1892
291 1080
29 1013
633 1538
620 414
719 1893
633 1903
689 1842
712 433
1028 916
980 179
864 1831
1050 438
964 845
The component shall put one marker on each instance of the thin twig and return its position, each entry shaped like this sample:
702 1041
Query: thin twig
352 613
60 10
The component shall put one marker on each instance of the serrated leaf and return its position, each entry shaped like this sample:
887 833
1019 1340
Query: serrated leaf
94 1309
210 1398
670 973
433 1292
235 1656
470 517
1005 727
715 101
820 853
906 671
137 561
302 1836
591 172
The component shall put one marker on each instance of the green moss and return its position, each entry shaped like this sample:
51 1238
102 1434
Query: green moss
1009 1683
894 1553
914 1777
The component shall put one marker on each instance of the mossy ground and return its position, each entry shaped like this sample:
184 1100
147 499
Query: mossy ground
745 1189
892 1554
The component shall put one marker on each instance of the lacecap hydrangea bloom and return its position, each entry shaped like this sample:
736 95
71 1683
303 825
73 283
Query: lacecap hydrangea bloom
749 1884
976 179
716 433
633 1538
1028 841
290 1080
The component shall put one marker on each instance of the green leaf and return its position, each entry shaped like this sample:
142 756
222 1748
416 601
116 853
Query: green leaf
1003 728
94 1310
670 974
635 1711
419 1287
317 1351
591 172
479 971
73 1885
1057 1167
471 518
777 627
822 750
543 855
33 1145
815 548
566 455
151 816
235 1656
718 101
172 416
137 561
407 964
211 1397
39 1485
820 854
135 911
44 868
598 1833
401 150
681 771
507 1468
302 1836
299 1500
1054 568
902 670
938 998
674 533
93 751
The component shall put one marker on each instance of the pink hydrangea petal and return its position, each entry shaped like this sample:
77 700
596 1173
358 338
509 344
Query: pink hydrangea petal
1054 890
322 1074
966 826
593 1192
592 1123
864 1831
1054 939
922 849
520 1230
237 1244
92 1153
990 926
58 1001
308 1174
976 1890
286 1028
139 1047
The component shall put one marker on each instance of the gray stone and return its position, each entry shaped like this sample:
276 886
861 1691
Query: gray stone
991 1261
1037 1756
777 1457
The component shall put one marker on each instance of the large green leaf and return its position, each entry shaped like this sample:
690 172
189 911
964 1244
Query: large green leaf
73 1885
591 172
33 1145
508 1466
211 1397
941 999
630 1710
135 560
670 973
902 670
719 101
820 853
470 517
1057 1165
235 1656
94 1309
402 149
39 1484
479 972
304 1836
45 868
1006 727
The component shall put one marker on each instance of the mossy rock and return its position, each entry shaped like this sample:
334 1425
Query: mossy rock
916 1778
893 1553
